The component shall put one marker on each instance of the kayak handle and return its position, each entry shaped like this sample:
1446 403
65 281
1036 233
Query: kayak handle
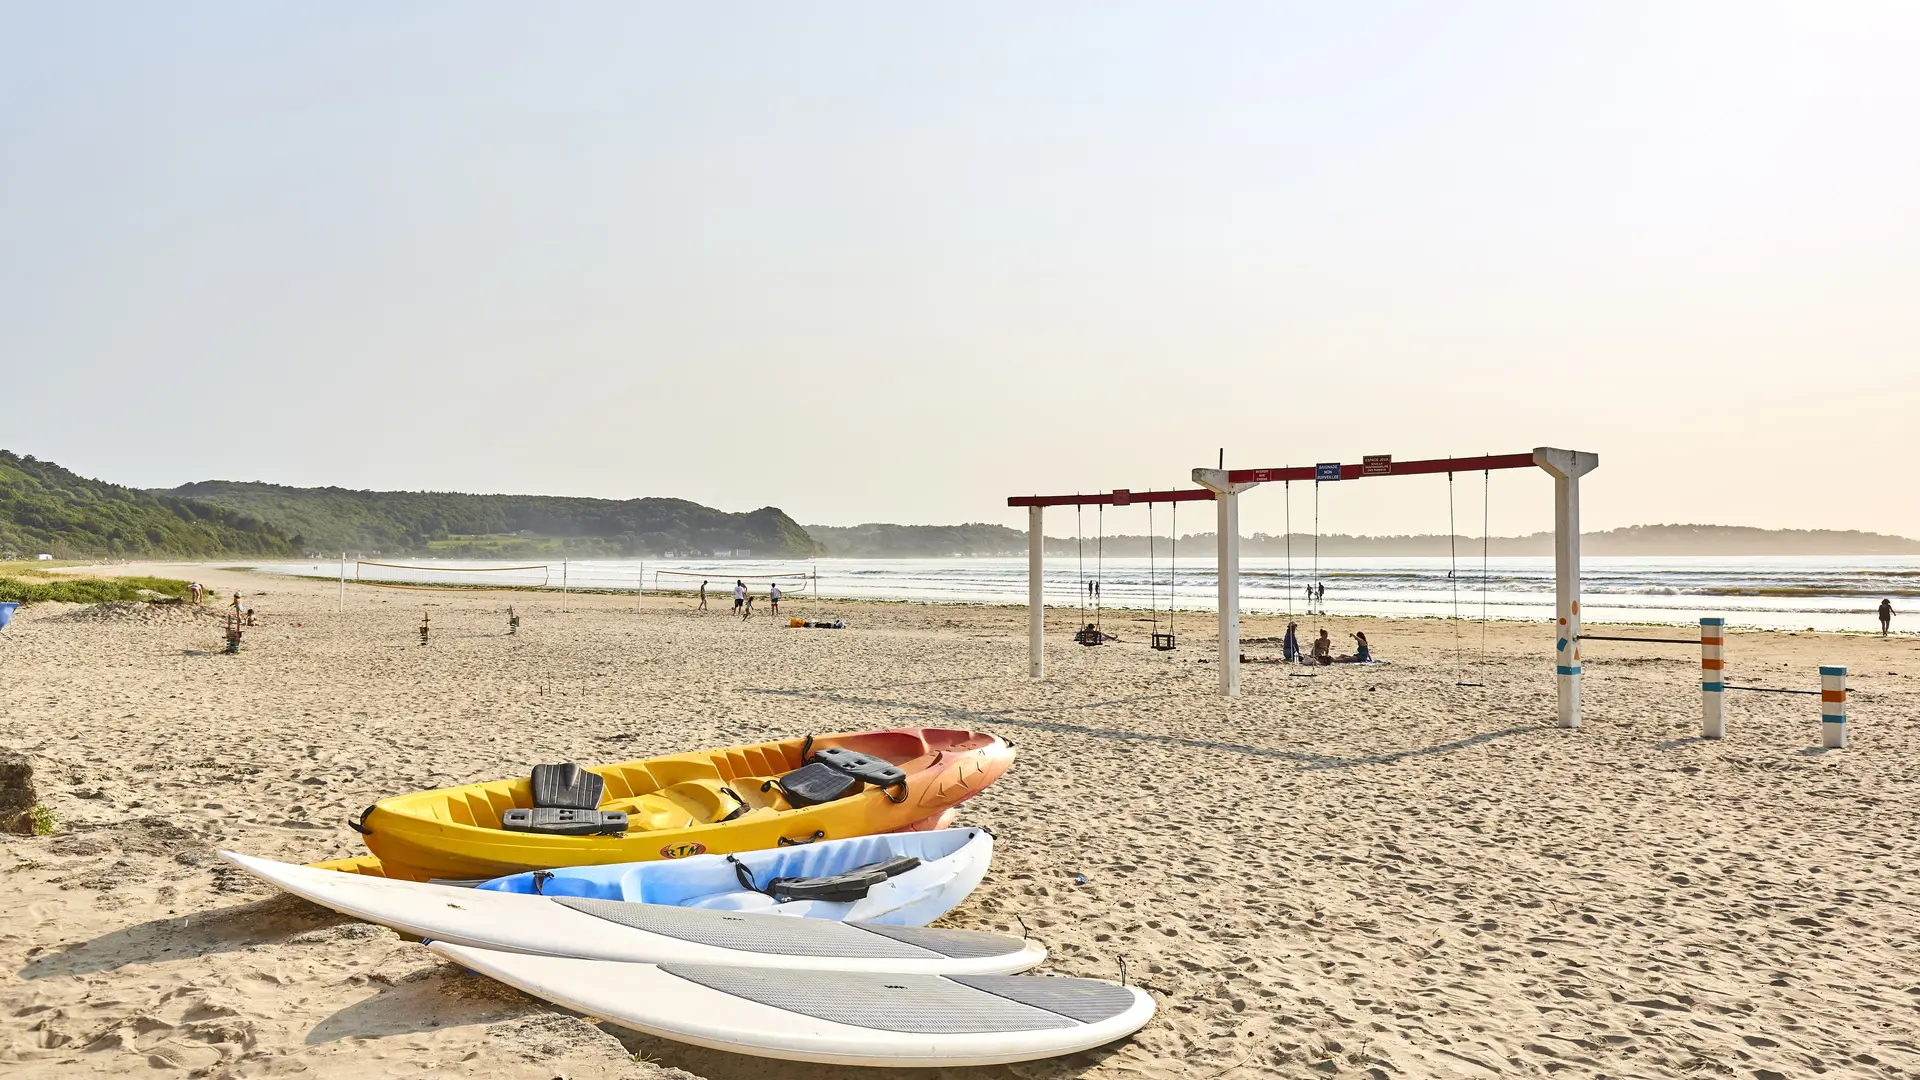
818 834
902 785
360 825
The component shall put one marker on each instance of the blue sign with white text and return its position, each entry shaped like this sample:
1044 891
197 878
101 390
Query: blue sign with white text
1327 471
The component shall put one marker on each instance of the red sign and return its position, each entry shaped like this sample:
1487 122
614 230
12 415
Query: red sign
1122 497
1376 465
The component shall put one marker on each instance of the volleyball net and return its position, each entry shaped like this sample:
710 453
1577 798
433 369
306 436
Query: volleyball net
385 575
797 581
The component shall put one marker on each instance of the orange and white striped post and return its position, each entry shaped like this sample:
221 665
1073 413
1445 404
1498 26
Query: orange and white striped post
1713 678
1833 707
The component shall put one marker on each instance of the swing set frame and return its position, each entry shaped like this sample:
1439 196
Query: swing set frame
1223 488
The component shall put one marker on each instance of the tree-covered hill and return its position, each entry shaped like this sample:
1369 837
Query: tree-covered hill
45 508
453 524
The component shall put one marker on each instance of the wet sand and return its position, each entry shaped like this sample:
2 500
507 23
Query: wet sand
1373 871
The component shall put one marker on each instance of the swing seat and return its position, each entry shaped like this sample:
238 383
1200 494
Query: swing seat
1163 642
1089 635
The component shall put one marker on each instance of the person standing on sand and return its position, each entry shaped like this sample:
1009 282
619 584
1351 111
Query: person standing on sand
1886 615
748 614
739 595
703 596
1320 596
773 598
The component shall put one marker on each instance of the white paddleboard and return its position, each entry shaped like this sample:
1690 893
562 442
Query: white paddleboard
839 1018
620 930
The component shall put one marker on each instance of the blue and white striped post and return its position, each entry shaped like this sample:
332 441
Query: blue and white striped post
1713 678
1833 707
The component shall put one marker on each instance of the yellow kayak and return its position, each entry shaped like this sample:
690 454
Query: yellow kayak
739 798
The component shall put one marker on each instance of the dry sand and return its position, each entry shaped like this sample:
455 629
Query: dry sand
1373 872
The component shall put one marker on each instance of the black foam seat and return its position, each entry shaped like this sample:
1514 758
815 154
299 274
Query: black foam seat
863 767
566 801
567 787
565 821
832 773
844 887
816 783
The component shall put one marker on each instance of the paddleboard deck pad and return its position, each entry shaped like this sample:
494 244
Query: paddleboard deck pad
620 930
842 1018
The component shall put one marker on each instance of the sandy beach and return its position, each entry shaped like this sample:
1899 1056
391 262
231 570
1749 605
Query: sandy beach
1371 872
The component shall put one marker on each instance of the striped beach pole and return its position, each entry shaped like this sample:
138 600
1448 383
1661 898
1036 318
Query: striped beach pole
1713 679
1833 707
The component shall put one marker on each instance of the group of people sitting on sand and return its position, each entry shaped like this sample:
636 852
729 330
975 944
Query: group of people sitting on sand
1321 651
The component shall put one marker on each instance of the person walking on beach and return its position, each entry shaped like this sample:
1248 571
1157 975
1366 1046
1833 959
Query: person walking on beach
1320 596
1886 616
703 596
773 598
739 596
748 614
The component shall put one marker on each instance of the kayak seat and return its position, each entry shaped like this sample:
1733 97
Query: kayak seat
564 821
566 800
845 887
863 767
835 772
567 787
816 783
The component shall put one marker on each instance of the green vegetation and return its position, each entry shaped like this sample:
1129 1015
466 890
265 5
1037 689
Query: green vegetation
45 508
451 524
43 821
87 590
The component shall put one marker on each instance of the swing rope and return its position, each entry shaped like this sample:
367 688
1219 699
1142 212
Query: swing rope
1289 496
1453 582
1099 566
1080 550
1153 577
1316 545
1173 563
1486 530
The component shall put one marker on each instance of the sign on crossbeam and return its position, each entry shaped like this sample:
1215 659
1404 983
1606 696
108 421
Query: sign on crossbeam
1376 465
1327 471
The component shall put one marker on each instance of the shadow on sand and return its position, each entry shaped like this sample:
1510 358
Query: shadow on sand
178 937
979 719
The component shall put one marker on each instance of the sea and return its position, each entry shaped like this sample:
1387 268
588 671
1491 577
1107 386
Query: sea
1806 592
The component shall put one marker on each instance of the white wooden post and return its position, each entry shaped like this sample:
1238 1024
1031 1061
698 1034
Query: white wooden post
1227 552
1833 707
343 581
1036 594
1226 501
1713 678
1567 467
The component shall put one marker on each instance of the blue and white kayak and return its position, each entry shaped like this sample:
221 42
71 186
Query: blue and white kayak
896 879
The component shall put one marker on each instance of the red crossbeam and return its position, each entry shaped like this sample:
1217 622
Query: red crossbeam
1397 468
1120 497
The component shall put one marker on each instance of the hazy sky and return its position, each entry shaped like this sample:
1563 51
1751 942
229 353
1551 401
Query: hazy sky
895 262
